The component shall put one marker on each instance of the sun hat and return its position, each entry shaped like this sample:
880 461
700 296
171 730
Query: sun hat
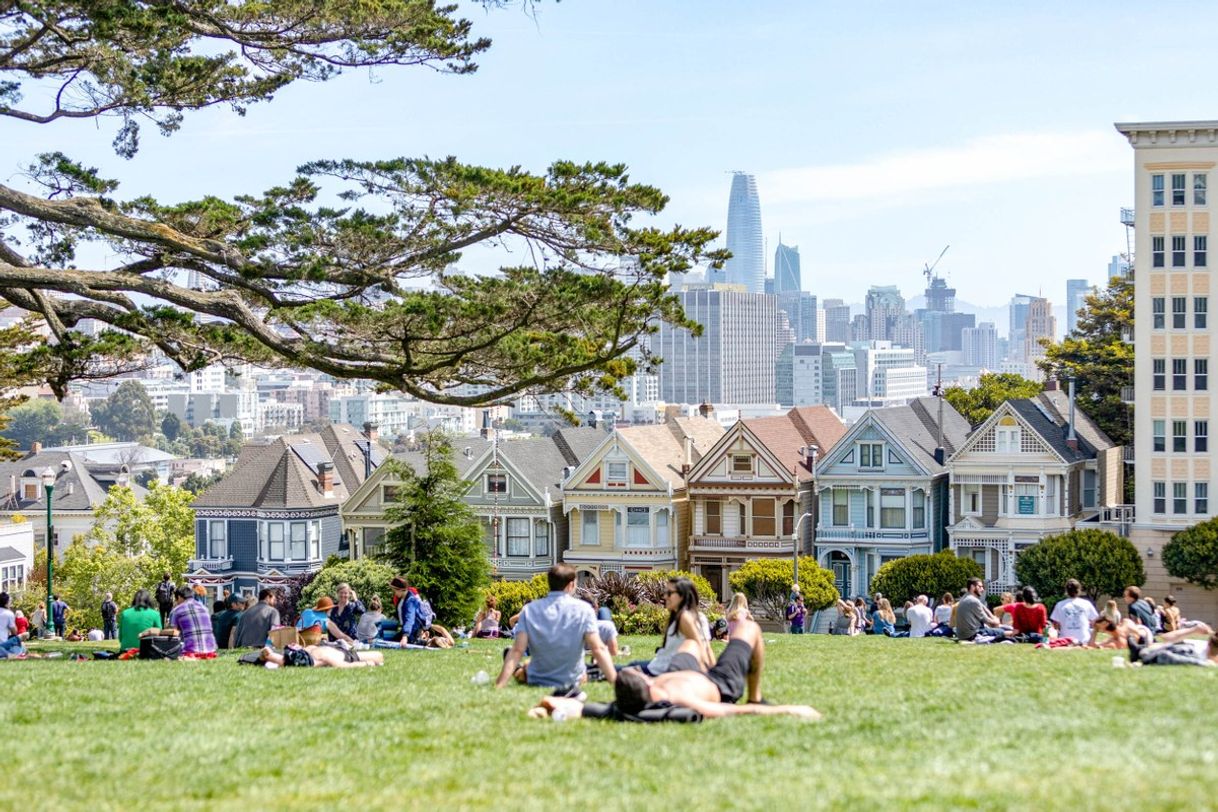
324 603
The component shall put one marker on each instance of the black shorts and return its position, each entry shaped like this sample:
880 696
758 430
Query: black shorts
350 655
730 672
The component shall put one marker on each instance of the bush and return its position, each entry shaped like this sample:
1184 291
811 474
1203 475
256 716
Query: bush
288 597
614 590
1103 562
1192 554
513 595
366 576
931 575
767 582
653 584
646 618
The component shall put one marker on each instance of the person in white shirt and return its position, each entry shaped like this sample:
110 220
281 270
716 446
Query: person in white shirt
921 620
943 612
10 641
1074 616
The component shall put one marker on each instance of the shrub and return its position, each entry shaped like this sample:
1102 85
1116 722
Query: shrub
645 618
1103 562
931 575
513 595
366 576
1192 554
767 582
288 597
614 590
653 584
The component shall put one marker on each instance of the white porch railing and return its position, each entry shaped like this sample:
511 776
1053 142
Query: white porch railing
869 534
744 544
211 564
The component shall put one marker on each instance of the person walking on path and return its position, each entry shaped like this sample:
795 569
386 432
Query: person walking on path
109 614
59 615
164 598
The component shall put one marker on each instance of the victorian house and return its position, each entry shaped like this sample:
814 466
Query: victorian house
515 489
275 515
1037 467
752 491
883 490
626 504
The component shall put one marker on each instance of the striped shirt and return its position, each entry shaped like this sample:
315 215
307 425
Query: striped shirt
193 623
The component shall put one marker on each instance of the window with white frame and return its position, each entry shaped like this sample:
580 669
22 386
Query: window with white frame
589 527
970 500
919 509
1179 312
892 508
662 528
12 577
1201 308
1178 184
616 473
1200 181
1179 436
1178 251
541 538
1027 498
1201 435
1201 497
1157 251
1158 313
982 556
871 455
217 540
315 540
1179 374
742 464
841 507
300 541
1179 497
518 537
1201 374
1089 482
638 526
496 483
1156 190
1006 437
1200 251
788 518
1158 374
714 517
1160 497
1158 431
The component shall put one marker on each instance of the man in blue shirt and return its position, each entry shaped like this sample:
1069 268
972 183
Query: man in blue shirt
59 615
410 616
555 630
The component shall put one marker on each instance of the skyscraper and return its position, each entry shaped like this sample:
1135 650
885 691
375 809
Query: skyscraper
733 361
980 345
786 269
885 306
1018 314
1076 294
744 240
1041 324
837 320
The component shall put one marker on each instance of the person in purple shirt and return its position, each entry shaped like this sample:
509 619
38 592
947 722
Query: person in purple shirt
193 623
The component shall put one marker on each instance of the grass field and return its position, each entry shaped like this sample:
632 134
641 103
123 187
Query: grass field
908 724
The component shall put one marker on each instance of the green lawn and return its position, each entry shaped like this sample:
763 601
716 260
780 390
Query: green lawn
908 724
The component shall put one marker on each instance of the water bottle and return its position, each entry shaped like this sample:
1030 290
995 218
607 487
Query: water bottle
481 678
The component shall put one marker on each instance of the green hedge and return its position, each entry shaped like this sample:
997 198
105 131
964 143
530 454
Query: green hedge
905 578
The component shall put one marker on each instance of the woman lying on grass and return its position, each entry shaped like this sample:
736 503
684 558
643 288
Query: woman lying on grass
325 655
1129 631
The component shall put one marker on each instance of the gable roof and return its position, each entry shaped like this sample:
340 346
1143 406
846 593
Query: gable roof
282 474
784 435
662 447
76 488
915 427
1049 416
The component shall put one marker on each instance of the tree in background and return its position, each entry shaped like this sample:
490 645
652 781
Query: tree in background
359 290
128 413
171 426
16 371
903 579
236 438
1099 359
993 389
87 572
197 482
34 421
1192 554
157 532
1103 562
437 540
767 582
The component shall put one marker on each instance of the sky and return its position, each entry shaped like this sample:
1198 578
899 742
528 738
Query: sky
879 132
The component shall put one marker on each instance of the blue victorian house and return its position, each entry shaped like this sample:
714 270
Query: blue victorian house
276 514
883 490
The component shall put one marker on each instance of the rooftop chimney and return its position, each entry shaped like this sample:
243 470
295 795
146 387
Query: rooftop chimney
488 431
325 478
1071 438
706 410
687 463
370 431
35 447
1051 385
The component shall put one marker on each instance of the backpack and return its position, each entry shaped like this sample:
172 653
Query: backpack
427 615
164 592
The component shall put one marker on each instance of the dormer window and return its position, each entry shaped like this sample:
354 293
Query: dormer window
871 455
1006 436
496 483
616 474
742 464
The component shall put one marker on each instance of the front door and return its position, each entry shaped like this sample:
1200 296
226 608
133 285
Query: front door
840 564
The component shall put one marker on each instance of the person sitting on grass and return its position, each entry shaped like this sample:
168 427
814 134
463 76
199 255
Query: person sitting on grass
883 619
711 693
193 625
1028 617
486 622
1169 614
323 655
555 630
1074 616
847 622
315 623
224 623
1180 652
10 639
974 620
921 619
369 626
736 611
685 622
257 621
133 621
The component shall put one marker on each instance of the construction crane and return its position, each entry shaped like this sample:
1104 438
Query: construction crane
927 270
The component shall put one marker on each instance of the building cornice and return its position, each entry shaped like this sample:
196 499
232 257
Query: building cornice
1169 133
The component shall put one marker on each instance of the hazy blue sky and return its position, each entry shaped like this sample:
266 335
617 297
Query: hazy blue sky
879 132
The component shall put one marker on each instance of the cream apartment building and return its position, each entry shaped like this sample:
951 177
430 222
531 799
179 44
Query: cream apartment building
1174 163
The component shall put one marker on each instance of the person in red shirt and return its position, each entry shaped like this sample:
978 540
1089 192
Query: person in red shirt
1029 616
23 625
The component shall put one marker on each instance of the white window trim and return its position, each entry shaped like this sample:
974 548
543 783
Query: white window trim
964 500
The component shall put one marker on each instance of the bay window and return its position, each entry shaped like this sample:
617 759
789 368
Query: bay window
714 517
300 541
518 537
841 507
217 540
892 508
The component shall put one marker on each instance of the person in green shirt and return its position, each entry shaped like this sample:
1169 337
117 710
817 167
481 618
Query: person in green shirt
138 618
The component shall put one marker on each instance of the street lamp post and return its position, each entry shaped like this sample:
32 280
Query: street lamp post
813 450
48 484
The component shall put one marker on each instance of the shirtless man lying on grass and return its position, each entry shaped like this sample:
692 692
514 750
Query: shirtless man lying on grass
323 656
712 694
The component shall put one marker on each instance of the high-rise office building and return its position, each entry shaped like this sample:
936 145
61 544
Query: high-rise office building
839 377
1076 296
885 306
1040 325
837 320
801 310
733 361
1018 315
980 346
1116 267
744 240
888 375
941 324
786 269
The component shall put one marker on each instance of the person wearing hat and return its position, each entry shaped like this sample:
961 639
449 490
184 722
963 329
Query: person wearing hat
315 622
257 621
409 606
